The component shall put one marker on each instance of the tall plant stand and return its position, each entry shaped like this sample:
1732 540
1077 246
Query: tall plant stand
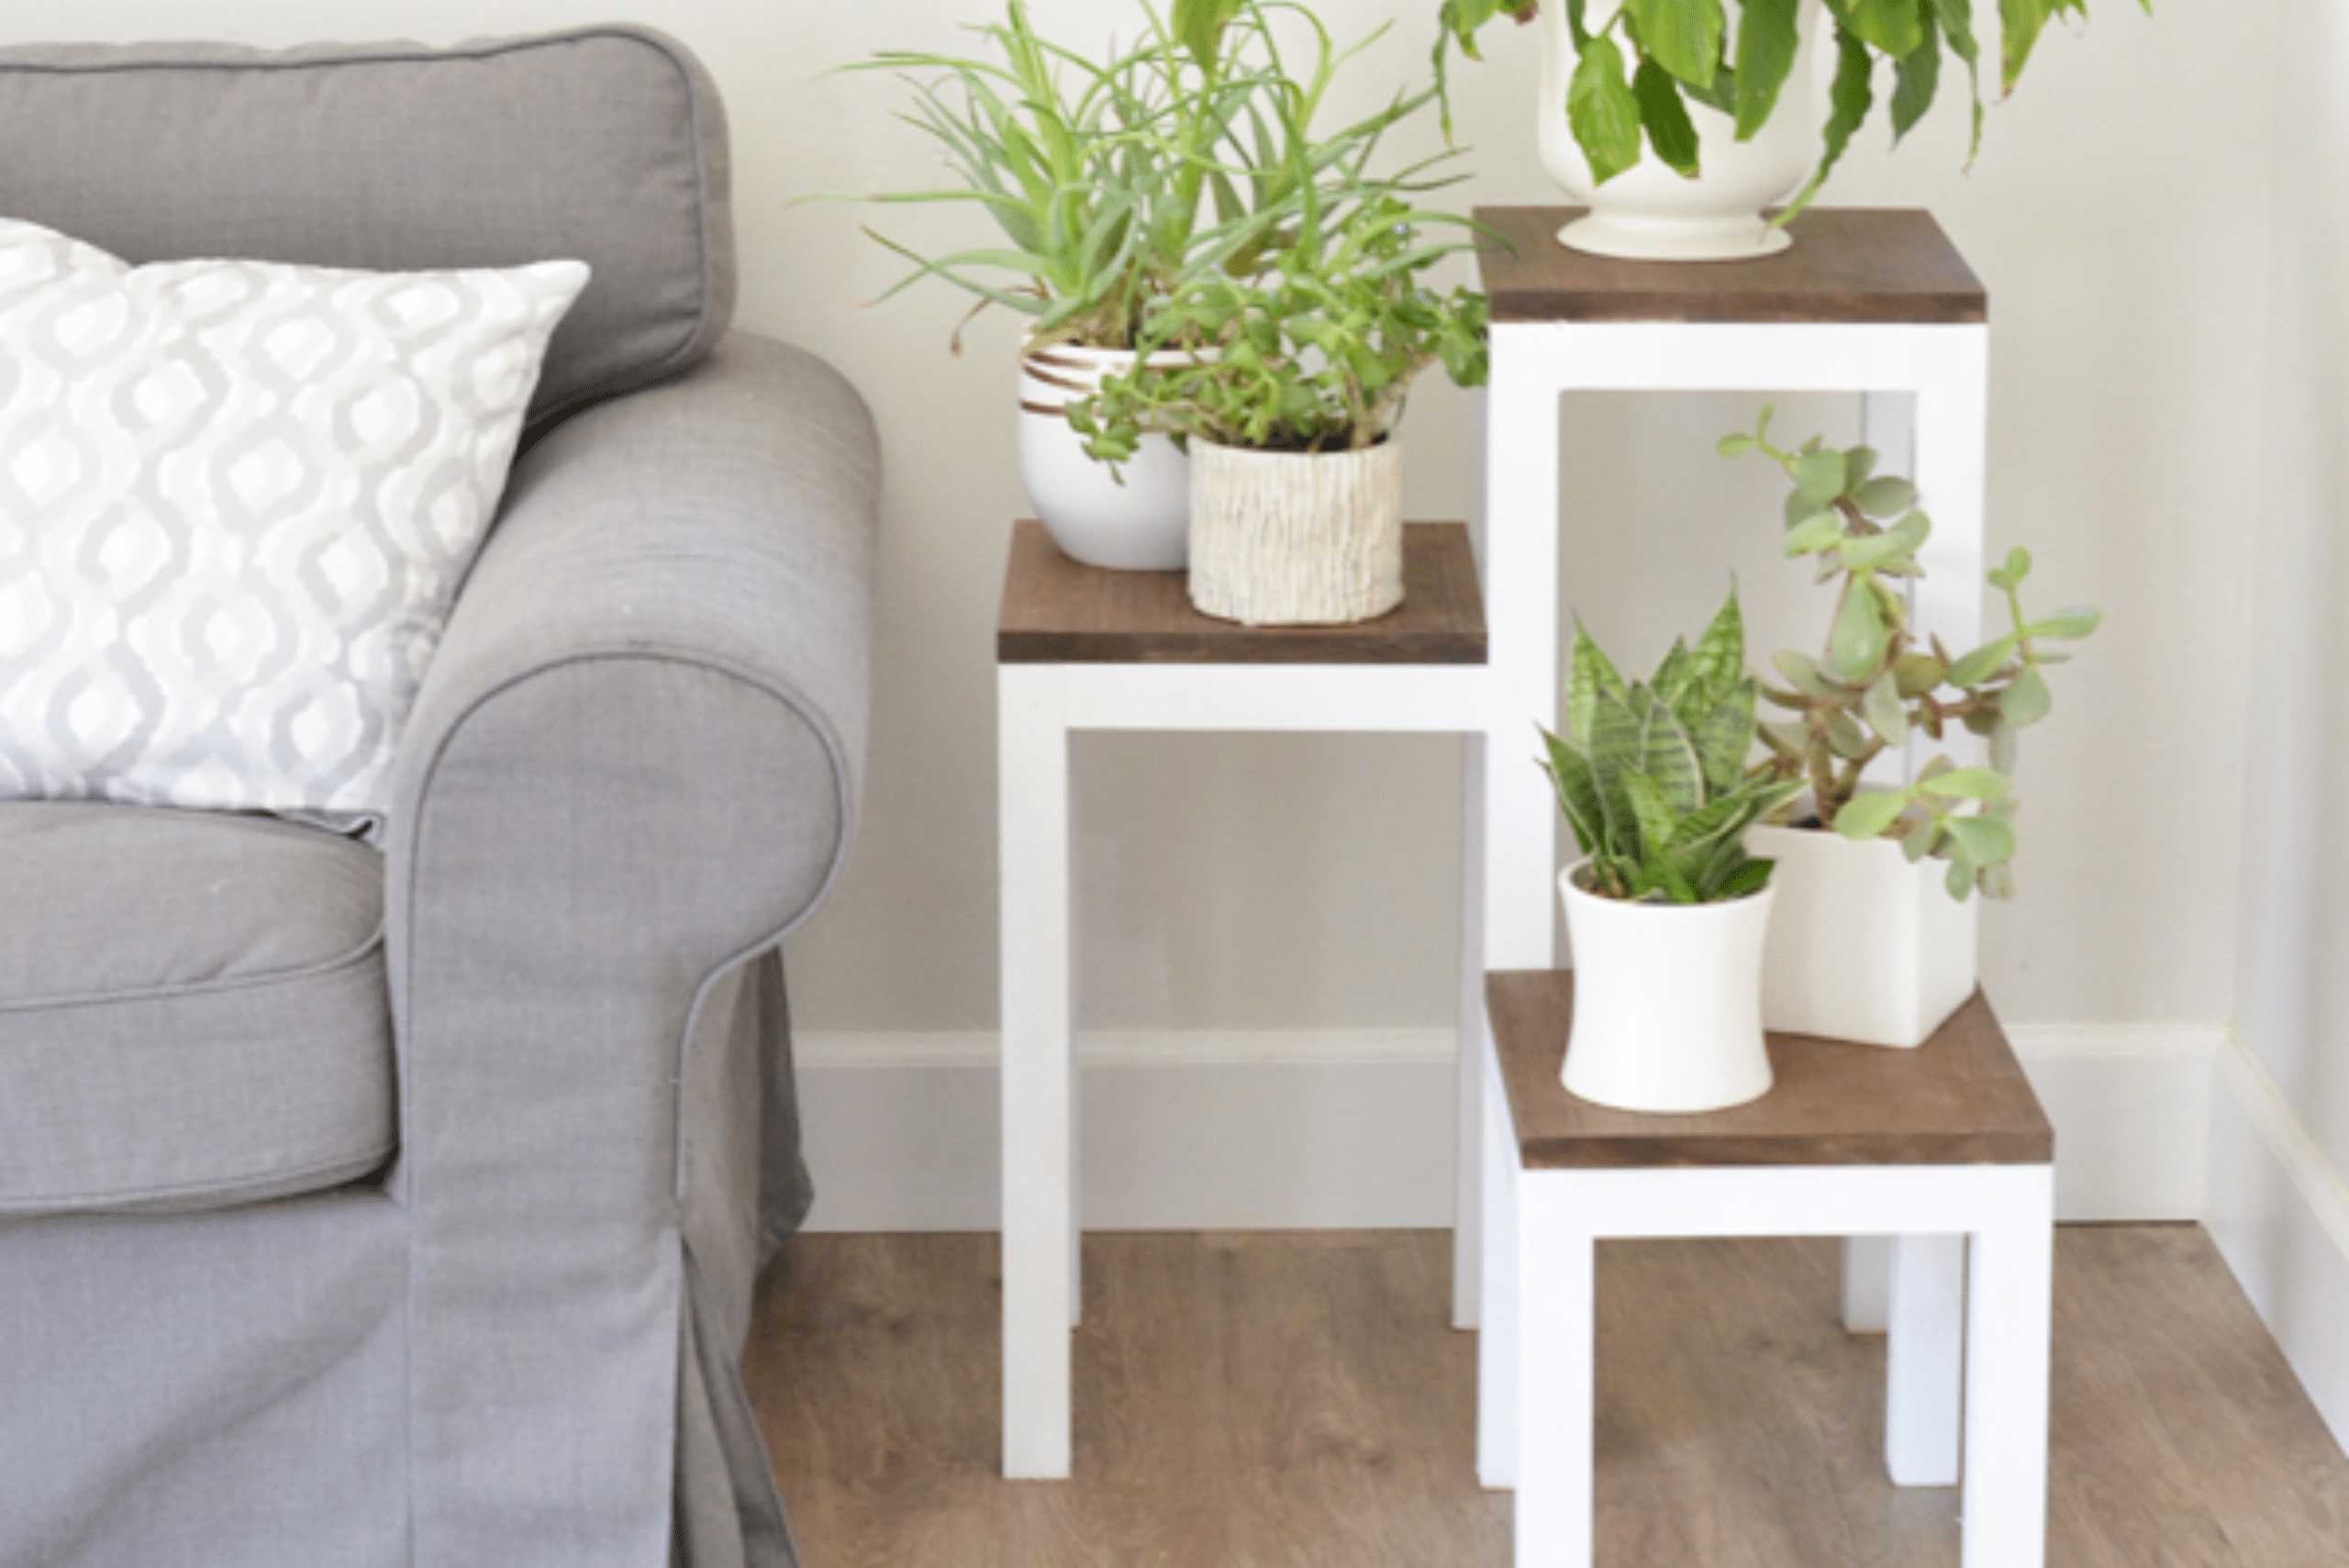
1876 303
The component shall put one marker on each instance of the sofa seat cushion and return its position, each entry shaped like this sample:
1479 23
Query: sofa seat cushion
193 1009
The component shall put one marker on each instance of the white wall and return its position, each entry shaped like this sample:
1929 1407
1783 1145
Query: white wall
2281 1138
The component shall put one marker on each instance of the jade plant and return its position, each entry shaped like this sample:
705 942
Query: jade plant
1653 777
1642 63
1874 687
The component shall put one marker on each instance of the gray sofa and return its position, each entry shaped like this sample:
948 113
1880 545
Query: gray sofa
367 1206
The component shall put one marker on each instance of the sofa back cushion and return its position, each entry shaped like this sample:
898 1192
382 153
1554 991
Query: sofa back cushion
607 144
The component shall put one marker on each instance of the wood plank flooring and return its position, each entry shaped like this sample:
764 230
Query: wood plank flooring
1296 1400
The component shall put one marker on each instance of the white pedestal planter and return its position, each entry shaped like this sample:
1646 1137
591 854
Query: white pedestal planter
1649 212
1296 538
1668 1011
1140 525
1865 947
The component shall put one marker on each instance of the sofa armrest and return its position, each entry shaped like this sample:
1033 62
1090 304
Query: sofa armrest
634 764
717 527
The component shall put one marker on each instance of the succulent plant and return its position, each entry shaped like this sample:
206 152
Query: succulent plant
1872 687
1653 775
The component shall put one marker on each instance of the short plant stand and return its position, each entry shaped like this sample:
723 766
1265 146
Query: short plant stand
1078 648
1944 1140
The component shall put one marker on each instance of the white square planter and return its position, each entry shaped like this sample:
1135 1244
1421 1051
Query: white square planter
1864 946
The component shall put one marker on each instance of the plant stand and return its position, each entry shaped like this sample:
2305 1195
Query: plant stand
1879 303
1947 1138
1082 649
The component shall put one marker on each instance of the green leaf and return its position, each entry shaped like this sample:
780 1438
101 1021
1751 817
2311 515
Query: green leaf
1804 674
2009 576
1767 40
1667 757
1887 496
1681 36
2026 701
1867 815
1986 841
1818 533
2073 622
1589 677
1960 878
1724 735
1855 647
1967 783
1850 97
1917 78
1578 792
1750 876
1848 741
1601 111
1997 882
1982 663
1884 714
1893 26
1734 445
1918 843
1956 19
1820 475
1657 820
1718 661
2002 747
1670 132
2019 22
1919 673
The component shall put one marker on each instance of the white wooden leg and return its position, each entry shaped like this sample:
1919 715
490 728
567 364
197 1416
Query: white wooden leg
1867 1284
1924 1358
2008 1318
1468 1170
1555 1412
1496 1343
1038 1260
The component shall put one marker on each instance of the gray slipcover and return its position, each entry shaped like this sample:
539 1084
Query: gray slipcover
364 1209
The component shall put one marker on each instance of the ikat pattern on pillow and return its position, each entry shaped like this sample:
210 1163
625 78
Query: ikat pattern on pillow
237 499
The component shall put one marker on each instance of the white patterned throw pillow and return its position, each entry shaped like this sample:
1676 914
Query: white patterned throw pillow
235 501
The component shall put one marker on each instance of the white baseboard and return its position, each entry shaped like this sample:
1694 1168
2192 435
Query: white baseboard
1340 1130
2279 1213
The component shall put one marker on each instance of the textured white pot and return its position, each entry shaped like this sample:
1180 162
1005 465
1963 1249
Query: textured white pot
1667 1011
1865 947
1650 213
1140 525
1296 538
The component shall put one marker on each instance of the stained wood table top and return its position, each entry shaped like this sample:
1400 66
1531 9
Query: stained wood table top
1057 611
1847 264
1958 1099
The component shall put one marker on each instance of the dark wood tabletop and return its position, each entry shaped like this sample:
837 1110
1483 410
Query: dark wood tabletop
1056 611
1958 1099
1847 264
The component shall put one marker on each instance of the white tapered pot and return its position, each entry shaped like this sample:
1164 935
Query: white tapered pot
1296 538
1650 212
1667 1011
1135 520
1864 946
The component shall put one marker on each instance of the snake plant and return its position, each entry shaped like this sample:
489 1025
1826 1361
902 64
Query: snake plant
1652 775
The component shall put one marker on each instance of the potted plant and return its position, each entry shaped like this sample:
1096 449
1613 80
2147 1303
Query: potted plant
1287 395
1107 180
1678 121
1874 942
1666 910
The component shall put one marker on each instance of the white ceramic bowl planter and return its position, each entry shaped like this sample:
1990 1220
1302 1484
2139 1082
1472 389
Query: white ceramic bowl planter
1865 947
1649 212
1667 1011
1296 538
1140 525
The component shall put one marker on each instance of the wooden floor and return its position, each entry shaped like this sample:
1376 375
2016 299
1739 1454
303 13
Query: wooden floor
1296 1400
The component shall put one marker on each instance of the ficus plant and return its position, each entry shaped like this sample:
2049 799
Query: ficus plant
1108 179
1642 62
1653 775
1872 687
